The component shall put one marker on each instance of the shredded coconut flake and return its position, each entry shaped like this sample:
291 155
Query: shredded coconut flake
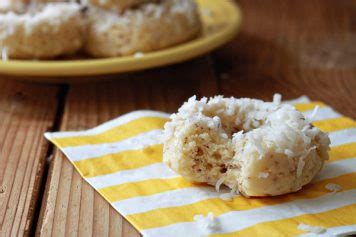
257 141
263 175
138 55
230 195
305 128
224 135
277 99
312 229
301 162
219 183
288 152
238 135
333 187
207 223
300 166
313 114
227 196
4 54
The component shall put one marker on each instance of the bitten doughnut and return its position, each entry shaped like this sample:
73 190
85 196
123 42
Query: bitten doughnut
147 27
46 31
116 5
258 148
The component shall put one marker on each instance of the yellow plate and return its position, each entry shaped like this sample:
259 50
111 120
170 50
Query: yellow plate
221 20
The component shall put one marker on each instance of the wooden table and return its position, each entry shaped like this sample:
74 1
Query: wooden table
290 47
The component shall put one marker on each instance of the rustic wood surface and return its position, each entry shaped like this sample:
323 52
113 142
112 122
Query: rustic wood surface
293 48
290 47
26 112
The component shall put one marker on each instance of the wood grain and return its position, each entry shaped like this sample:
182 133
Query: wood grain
26 112
70 206
294 48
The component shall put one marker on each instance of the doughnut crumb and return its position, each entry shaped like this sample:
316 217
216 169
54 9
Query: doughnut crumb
311 229
138 55
334 188
206 223
4 54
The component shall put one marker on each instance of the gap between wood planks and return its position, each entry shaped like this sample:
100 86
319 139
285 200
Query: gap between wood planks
62 95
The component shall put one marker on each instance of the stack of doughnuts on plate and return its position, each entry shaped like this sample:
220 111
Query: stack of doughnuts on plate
101 28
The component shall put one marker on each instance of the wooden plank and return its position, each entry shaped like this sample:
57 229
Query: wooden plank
71 207
26 112
293 48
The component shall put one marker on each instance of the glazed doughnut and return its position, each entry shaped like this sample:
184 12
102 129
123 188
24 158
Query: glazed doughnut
116 5
258 148
148 27
46 31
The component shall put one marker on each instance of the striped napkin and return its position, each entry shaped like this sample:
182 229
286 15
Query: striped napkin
122 158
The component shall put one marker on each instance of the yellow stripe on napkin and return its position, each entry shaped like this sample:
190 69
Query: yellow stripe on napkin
342 152
336 124
121 161
130 129
345 216
143 188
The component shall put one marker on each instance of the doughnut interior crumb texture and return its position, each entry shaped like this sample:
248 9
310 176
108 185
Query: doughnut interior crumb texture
260 148
51 30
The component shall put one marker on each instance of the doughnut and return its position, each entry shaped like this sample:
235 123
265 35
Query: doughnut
257 148
147 27
46 31
18 6
116 5
21 6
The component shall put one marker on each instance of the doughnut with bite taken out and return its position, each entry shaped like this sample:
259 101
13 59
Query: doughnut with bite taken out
258 148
